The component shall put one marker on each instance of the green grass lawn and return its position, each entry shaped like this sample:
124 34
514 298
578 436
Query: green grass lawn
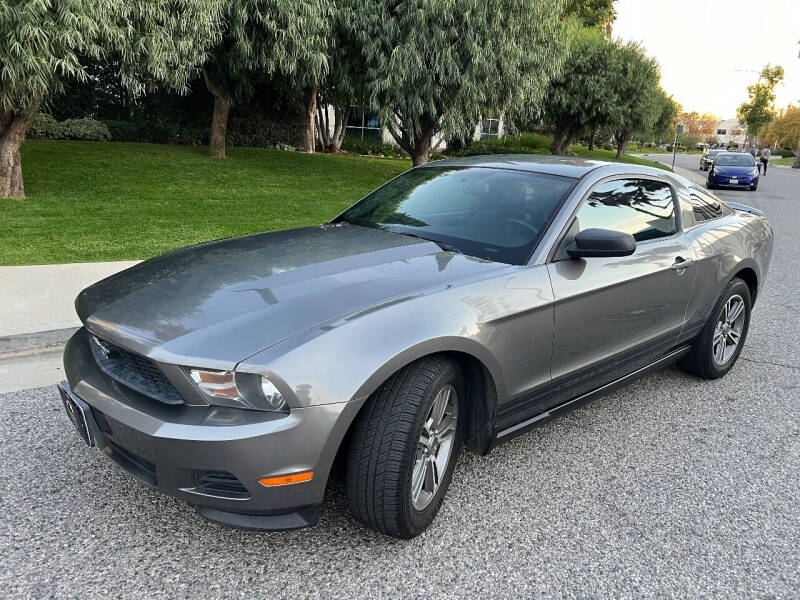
93 201
786 161
96 201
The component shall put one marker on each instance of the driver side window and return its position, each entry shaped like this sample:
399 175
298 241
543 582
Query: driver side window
642 207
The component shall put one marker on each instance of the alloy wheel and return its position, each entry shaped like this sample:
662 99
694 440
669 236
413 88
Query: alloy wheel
728 331
434 447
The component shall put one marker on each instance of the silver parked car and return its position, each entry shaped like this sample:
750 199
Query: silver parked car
460 304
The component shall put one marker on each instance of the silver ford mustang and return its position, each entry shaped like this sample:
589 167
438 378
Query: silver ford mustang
460 304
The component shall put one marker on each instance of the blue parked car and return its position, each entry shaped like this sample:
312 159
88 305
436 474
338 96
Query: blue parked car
733 170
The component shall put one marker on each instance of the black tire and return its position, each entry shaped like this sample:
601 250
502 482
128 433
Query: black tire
384 442
700 360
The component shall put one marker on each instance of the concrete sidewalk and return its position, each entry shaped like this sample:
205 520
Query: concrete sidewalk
40 298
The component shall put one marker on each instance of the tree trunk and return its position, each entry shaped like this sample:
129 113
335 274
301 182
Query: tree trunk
310 117
622 141
796 164
323 129
13 126
219 126
340 117
422 147
591 139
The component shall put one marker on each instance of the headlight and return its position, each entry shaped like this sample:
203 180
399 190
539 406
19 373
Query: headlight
242 390
754 172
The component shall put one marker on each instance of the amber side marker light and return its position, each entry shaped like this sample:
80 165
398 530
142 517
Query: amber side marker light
287 479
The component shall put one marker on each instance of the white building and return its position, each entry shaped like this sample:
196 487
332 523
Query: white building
730 134
365 125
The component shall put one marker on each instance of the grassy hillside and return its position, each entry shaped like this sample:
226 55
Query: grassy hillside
91 201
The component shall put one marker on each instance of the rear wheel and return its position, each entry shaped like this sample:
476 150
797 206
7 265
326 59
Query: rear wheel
404 448
720 342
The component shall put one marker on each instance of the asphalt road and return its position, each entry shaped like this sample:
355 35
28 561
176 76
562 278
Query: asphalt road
671 487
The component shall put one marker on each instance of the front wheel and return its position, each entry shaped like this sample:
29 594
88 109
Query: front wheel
720 342
404 447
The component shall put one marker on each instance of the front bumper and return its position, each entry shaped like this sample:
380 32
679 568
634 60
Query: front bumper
212 456
742 182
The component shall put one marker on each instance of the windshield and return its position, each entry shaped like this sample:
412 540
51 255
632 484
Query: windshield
713 153
495 214
735 160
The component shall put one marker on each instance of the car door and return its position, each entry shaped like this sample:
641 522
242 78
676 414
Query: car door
615 315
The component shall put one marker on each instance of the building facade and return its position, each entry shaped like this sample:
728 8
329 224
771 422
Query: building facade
730 134
366 125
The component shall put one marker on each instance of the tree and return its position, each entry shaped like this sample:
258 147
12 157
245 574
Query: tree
702 126
343 86
42 44
289 37
435 66
666 113
784 129
760 107
582 97
599 14
634 77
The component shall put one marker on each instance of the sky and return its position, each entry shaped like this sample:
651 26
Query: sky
702 45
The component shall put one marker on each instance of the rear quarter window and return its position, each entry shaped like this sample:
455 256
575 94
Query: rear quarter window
705 207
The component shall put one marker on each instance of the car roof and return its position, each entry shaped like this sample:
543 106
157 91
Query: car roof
564 166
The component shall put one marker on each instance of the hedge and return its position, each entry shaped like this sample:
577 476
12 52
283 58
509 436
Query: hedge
45 127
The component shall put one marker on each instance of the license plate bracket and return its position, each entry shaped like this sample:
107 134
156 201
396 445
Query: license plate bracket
79 414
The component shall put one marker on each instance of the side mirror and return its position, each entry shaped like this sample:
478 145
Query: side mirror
601 242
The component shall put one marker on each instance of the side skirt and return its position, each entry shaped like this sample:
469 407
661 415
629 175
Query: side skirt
511 432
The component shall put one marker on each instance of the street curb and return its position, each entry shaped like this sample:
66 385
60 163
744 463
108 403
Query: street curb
41 342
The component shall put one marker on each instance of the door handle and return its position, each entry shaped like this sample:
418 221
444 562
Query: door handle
681 263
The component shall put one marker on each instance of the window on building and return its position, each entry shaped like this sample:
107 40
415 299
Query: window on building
722 131
490 129
363 125
642 207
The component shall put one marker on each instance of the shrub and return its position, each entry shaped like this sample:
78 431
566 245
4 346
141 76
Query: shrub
157 132
85 129
371 147
786 152
259 131
45 127
526 143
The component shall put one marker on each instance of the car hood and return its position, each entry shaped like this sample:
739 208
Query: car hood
218 303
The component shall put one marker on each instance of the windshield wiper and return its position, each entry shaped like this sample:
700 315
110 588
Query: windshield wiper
443 245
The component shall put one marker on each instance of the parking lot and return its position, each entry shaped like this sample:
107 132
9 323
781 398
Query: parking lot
670 487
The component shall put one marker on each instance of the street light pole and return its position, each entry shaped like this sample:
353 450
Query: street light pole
796 164
678 130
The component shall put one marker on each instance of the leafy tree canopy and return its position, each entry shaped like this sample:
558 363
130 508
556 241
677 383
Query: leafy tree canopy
436 65
760 106
289 37
158 42
583 95
592 13
635 77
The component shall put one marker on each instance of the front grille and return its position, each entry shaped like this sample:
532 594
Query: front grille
135 371
221 483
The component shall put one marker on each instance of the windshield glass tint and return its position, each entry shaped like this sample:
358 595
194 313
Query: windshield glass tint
735 160
493 214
